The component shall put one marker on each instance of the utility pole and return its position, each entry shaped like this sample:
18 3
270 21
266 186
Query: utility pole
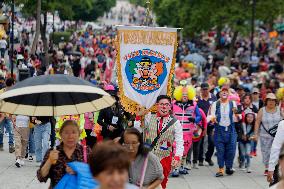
12 39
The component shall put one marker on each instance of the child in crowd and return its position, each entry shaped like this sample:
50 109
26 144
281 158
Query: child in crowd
247 131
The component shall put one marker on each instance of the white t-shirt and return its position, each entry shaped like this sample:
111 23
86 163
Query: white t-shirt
22 121
3 44
225 112
276 146
274 186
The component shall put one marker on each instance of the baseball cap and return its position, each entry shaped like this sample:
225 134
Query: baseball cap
255 90
204 86
225 87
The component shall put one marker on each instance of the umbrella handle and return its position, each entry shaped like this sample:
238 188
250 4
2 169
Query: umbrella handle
54 161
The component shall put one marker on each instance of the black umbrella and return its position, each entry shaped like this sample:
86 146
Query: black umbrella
54 95
74 53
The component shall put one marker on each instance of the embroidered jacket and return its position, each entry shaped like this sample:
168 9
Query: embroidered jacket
173 134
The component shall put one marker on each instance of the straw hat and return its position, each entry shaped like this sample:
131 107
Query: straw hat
271 96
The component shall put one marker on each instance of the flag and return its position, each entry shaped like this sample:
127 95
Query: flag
145 63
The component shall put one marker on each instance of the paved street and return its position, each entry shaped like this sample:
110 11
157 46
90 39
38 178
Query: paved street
203 178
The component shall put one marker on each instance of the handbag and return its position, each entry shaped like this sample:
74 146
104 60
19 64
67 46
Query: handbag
271 131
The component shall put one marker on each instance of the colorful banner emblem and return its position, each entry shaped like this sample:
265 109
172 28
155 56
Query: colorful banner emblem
145 61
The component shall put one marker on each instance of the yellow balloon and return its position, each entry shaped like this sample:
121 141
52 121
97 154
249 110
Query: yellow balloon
190 65
222 81
280 93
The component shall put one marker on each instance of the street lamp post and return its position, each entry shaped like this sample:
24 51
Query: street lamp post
12 39
252 28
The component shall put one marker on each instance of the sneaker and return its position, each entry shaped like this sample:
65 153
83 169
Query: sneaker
175 173
195 166
1 147
230 171
11 148
38 163
254 154
22 162
210 162
242 167
220 172
265 173
187 166
183 171
31 158
248 170
201 164
18 163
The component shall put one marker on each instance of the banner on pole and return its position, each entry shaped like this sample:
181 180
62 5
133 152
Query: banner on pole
145 63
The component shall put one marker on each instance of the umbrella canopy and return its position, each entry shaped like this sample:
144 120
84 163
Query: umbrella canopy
74 53
195 58
54 95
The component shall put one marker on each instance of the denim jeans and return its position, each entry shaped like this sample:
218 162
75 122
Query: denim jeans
195 147
2 51
8 125
41 137
245 149
253 146
31 142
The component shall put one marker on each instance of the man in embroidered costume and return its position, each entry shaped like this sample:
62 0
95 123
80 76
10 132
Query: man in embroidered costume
187 112
161 131
222 114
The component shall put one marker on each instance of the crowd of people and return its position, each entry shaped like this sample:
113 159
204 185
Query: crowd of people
226 107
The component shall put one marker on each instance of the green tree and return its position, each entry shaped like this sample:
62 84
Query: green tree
138 2
90 10
86 10
195 16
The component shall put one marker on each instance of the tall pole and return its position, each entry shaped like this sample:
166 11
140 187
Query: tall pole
53 29
12 39
148 21
252 28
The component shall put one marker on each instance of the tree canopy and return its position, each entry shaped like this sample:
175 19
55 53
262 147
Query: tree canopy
202 15
86 10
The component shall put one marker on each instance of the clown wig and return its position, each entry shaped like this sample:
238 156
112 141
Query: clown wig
191 93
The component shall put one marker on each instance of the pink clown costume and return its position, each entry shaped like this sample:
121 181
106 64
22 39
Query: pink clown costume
188 115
